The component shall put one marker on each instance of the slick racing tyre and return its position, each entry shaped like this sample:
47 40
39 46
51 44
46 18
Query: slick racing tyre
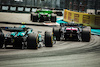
48 39
31 17
56 33
53 18
41 18
34 17
1 39
86 34
32 41
17 43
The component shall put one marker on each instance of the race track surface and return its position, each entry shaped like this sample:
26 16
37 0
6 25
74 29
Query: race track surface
62 54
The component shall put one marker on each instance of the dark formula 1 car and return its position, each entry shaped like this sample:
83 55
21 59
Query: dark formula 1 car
72 31
43 15
24 37
1 38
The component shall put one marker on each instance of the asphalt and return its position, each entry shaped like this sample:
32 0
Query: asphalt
62 54
18 18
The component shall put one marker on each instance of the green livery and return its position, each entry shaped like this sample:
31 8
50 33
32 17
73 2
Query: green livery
43 15
44 11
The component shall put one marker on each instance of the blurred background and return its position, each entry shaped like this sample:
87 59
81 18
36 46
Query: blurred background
88 6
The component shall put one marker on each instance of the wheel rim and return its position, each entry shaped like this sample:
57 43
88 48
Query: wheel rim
51 40
37 41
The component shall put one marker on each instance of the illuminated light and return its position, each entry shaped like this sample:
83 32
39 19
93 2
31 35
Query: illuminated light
23 23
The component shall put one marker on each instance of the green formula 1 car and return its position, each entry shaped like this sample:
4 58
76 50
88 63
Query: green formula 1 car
24 37
43 15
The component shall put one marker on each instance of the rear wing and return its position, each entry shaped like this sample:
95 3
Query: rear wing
14 29
71 24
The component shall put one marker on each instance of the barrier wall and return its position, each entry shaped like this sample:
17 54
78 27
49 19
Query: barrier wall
19 9
22 9
83 18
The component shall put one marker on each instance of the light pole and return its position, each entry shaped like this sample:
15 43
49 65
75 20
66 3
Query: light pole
96 4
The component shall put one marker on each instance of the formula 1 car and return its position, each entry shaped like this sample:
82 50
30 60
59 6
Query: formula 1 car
24 37
58 12
72 31
1 38
43 15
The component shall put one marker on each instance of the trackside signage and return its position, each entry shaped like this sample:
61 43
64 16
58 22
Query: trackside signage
83 18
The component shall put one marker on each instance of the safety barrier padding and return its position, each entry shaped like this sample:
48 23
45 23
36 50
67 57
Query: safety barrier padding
83 18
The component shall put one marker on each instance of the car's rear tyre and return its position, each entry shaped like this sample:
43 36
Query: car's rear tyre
17 43
41 19
56 33
86 34
32 41
1 45
34 17
53 18
1 39
48 39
